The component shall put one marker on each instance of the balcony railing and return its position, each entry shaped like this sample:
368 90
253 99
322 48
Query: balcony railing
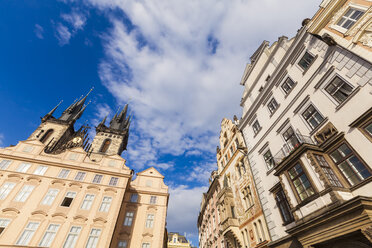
291 145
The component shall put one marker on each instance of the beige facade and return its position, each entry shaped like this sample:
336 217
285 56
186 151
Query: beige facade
176 240
57 190
307 123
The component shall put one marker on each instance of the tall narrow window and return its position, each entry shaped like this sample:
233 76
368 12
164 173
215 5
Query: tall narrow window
24 193
6 189
349 164
290 138
282 203
105 145
63 173
150 220
368 129
233 215
4 164
113 181
72 237
259 239
105 205
93 238
97 178
3 224
300 182
349 18
332 178
256 127
145 245
306 61
128 219
40 170
46 135
312 117
261 229
68 199
272 105
27 233
122 244
23 167
49 235
153 199
80 176
134 197
269 160
287 86
339 89
87 202
50 196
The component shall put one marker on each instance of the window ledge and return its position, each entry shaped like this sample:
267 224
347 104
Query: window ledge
348 99
271 114
361 184
257 132
321 124
307 69
289 92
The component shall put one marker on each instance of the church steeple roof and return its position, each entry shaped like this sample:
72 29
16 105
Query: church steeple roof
50 114
120 122
75 110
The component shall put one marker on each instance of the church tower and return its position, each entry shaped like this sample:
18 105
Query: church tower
113 139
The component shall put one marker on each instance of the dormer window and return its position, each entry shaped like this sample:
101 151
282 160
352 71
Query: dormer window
349 18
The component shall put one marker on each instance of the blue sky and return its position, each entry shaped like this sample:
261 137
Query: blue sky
178 63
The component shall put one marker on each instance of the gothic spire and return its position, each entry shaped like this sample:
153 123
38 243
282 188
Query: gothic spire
75 110
102 123
120 122
50 114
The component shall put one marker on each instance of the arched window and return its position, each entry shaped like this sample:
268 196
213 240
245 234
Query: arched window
262 230
105 145
259 239
46 135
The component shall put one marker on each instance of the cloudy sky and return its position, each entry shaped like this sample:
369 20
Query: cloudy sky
178 63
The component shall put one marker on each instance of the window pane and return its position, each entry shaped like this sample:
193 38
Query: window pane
72 237
369 129
49 235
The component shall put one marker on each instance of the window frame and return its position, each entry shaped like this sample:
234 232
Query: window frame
97 178
4 223
293 187
63 174
275 106
256 126
153 199
6 190
304 70
40 172
342 29
265 160
150 221
113 181
72 198
105 205
286 93
25 193
23 167
80 175
87 202
93 238
49 197
306 119
75 236
334 100
26 240
282 203
52 234
128 219
328 171
4 164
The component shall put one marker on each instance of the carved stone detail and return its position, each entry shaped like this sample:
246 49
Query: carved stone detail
367 232
325 133
366 38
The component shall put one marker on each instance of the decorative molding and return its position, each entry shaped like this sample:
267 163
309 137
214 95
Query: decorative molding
80 218
17 176
100 219
39 212
56 181
14 210
75 184
31 178
110 190
60 215
94 187
302 103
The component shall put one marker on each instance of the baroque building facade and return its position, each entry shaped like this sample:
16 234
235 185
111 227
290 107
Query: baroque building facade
307 124
59 190
176 240
231 213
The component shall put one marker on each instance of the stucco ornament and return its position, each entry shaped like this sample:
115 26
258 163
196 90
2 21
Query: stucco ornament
366 38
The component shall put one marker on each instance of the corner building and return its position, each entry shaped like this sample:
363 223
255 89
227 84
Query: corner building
59 190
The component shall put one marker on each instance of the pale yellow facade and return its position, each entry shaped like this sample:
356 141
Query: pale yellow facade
176 240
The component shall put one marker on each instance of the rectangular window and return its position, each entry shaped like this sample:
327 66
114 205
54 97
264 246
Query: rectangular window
150 221
368 129
145 245
49 235
153 199
122 244
4 164
63 173
269 160
93 238
312 117
256 127
105 205
231 150
50 196
27 233
306 61
24 193
282 203
349 164
128 219
3 224
332 178
236 143
287 86
87 202
272 105
97 178
23 167
113 181
80 176
6 189
290 138
349 18
339 89
40 170
72 237
68 199
300 182
134 197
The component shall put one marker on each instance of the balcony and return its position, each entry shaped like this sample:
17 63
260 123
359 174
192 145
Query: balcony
295 141
229 222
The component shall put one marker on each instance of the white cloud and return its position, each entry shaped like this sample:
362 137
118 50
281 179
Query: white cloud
76 19
73 22
200 172
62 34
39 31
2 138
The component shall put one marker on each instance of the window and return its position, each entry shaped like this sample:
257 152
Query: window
272 105
231 149
3 224
134 197
87 202
368 128
349 18
49 235
105 205
256 127
287 86
4 164
150 220
93 238
80 176
27 233
145 245
282 203
261 229
50 196
257 233
122 244
105 145
23 167
97 178
332 178
46 135
269 160
5 190
40 170
349 164
236 143
68 199
300 182
24 193
72 237
291 138
153 199
128 219
113 181
339 89
239 171
312 117
63 173
306 61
